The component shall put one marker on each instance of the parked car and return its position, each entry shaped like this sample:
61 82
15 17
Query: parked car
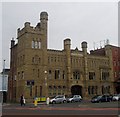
74 98
58 99
116 97
101 98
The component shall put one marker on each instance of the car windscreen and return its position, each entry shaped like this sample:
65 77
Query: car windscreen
95 97
99 97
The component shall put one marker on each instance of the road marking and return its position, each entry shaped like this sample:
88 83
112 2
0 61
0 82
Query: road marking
61 108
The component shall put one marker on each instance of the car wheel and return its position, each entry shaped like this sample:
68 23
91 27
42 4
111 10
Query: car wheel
53 102
72 101
80 100
64 101
98 101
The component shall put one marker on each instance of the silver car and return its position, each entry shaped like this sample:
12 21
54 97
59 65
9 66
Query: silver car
74 98
116 97
58 99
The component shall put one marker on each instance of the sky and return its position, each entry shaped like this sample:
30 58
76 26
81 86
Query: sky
90 21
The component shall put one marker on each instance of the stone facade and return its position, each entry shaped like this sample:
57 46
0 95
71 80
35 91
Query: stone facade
40 71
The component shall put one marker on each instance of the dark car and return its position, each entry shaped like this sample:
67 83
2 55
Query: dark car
101 98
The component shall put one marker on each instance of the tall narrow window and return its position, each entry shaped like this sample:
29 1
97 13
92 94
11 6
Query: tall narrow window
50 90
50 74
31 90
22 74
102 89
57 74
91 75
35 91
23 59
63 74
18 74
33 44
39 45
105 75
33 72
39 60
36 44
89 90
54 90
38 73
33 60
92 90
59 90
76 75
40 90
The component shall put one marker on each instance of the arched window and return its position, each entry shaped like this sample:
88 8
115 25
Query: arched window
76 75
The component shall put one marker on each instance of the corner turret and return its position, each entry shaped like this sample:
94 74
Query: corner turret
84 47
12 42
67 44
43 19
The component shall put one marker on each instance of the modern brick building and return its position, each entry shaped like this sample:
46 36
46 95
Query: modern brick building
38 71
115 58
116 67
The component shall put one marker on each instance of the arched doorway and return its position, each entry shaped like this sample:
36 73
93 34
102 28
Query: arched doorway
4 96
76 90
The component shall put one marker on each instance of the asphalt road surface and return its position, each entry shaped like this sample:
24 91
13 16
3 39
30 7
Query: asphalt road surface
78 108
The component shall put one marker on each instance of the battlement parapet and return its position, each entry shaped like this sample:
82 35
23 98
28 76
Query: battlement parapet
29 29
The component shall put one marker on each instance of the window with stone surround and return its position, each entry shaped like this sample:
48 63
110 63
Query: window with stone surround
92 90
76 75
57 74
91 75
36 44
105 89
105 75
36 60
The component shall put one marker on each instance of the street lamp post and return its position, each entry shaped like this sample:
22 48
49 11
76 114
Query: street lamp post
46 90
3 76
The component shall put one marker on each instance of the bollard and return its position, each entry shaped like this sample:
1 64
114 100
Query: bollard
48 101
35 102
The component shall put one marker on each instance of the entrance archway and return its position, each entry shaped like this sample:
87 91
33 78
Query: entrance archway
76 90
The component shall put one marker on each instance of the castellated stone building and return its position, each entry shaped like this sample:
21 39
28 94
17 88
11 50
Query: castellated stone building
38 71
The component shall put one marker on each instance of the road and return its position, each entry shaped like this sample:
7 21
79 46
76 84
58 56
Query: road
78 108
